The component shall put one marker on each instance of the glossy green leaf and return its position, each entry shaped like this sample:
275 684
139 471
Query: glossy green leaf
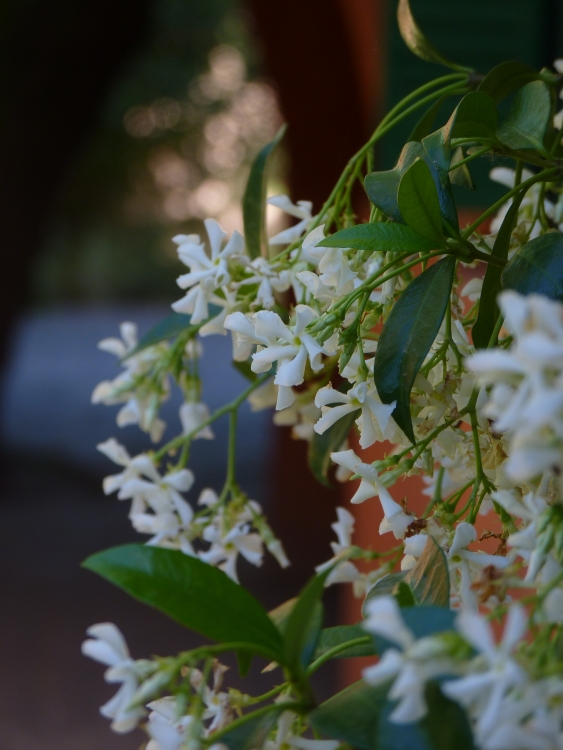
437 157
528 118
331 637
474 117
429 580
419 204
446 723
382 237
537 268
488 308
193 593
417 42
460 175
505 78
383 187
321 446
254 200
407 336
303 625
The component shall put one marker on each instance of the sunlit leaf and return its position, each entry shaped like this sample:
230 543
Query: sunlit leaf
460 175
407 336
193 593
537 268
254 200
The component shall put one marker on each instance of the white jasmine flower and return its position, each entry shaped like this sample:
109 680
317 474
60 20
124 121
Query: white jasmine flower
395 519
228 541
411 666
344 571
108 646
290 348
374 416
207 273
168 731
526 399
467 564
301 211
141 398
269 281
494 671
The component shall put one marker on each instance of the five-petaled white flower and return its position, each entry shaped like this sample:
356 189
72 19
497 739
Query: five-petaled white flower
207 273
107 645
394 517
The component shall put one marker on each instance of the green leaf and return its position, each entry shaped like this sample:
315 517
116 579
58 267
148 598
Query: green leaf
193 593
460 175
429 580
446 722
407 336
251 731
352 715
280 614
404 595
474 117
321 446
505 78
537 268
528 118
382 237
254 200
425 125
359 716
303 625
386 586
417 42
383 187
419 204
331 637
488 308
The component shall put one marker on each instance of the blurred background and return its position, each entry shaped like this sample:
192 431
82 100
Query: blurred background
122 124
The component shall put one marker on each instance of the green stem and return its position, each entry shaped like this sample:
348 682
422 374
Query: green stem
335 650
544 175
469 158
228 408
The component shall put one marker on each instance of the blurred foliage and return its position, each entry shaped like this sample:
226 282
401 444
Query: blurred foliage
171 146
